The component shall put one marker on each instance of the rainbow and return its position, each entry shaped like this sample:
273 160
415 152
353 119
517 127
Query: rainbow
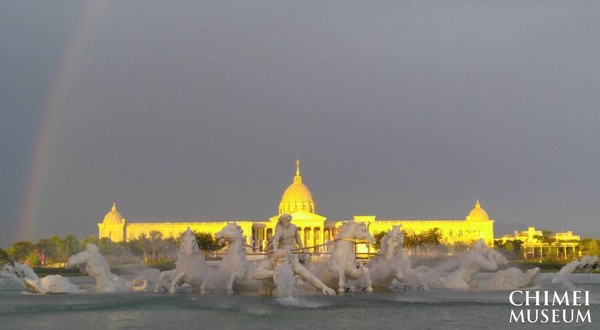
52 108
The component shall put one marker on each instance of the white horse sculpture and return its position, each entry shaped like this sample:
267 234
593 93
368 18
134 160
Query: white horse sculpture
24 275
479 258
235 271
511 279
563 274
342 262
190 267
391 264
96 266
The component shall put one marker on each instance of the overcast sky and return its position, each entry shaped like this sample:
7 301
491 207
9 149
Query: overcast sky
193 110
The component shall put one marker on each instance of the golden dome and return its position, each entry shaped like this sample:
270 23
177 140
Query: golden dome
478 214
297 197
113 217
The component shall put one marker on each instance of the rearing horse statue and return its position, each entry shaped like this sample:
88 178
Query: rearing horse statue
391 264
190 267
235 271
342 262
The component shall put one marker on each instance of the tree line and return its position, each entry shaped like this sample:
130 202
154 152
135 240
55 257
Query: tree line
55 250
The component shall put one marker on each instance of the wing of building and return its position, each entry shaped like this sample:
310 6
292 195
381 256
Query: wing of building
314 229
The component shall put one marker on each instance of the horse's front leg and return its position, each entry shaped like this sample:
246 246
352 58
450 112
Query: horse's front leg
175 281
236 275
341 279
163 276
364 272
398 274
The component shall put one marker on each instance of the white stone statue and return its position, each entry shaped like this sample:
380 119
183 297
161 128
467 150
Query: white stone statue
511 279
482 259
285 239
563 274
479 258
341 265
235 271
190 267
27 277
95 265
390 264
276 275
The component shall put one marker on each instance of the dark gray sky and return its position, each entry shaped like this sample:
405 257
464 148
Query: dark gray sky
193 110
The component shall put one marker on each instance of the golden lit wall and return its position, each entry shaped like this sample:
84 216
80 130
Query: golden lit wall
452 231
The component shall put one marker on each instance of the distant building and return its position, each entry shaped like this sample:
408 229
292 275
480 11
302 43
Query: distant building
536 246
315 230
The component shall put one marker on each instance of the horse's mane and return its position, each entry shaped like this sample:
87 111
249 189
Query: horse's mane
346 225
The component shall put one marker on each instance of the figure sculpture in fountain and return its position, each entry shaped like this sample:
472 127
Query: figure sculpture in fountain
190 267
27 277
342 262
390 264
284 241
277 275
480 257
95 265
235 271
511 278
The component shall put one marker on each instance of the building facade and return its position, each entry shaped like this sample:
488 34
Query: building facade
536 246
314 229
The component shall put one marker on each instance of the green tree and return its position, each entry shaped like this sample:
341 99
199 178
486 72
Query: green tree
71 246
4 258
33 259
514 248
156 243
427 242
431 237
546 237
206 242
589 246
20 250
380 235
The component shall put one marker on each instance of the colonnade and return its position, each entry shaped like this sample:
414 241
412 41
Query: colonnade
313 237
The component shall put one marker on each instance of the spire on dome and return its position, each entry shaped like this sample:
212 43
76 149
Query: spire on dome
477 205
298 178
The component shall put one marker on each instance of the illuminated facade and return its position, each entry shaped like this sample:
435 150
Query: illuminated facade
535 246
314 229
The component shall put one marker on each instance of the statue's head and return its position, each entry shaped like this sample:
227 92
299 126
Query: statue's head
285 220
188 243
230 232
90 247
478 245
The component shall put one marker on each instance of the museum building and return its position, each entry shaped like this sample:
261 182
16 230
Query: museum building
314 229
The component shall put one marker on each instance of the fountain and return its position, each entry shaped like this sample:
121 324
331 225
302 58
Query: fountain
25 276
477 282
276 275
586 264
462 274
